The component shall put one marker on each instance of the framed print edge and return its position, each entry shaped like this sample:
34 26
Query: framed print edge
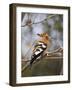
12 70
13 34
69 44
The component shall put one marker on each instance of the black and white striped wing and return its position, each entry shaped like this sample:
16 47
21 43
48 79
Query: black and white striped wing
40 47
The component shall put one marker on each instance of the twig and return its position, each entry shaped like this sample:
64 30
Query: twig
39 21
27 64
57 54
46 58
57 51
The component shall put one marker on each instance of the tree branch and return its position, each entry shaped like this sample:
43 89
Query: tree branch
39 21
55 55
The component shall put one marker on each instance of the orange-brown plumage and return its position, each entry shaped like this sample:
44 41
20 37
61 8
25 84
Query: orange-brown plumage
40 47
44 37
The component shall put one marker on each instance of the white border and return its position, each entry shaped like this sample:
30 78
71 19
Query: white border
63 77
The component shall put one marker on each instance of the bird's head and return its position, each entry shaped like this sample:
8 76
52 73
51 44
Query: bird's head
45 37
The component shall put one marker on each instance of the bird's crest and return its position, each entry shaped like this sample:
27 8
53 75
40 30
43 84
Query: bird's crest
44 37
42 34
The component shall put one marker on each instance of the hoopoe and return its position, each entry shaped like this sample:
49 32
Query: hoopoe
40 47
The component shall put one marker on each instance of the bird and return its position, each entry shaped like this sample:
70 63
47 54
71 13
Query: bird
40 47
